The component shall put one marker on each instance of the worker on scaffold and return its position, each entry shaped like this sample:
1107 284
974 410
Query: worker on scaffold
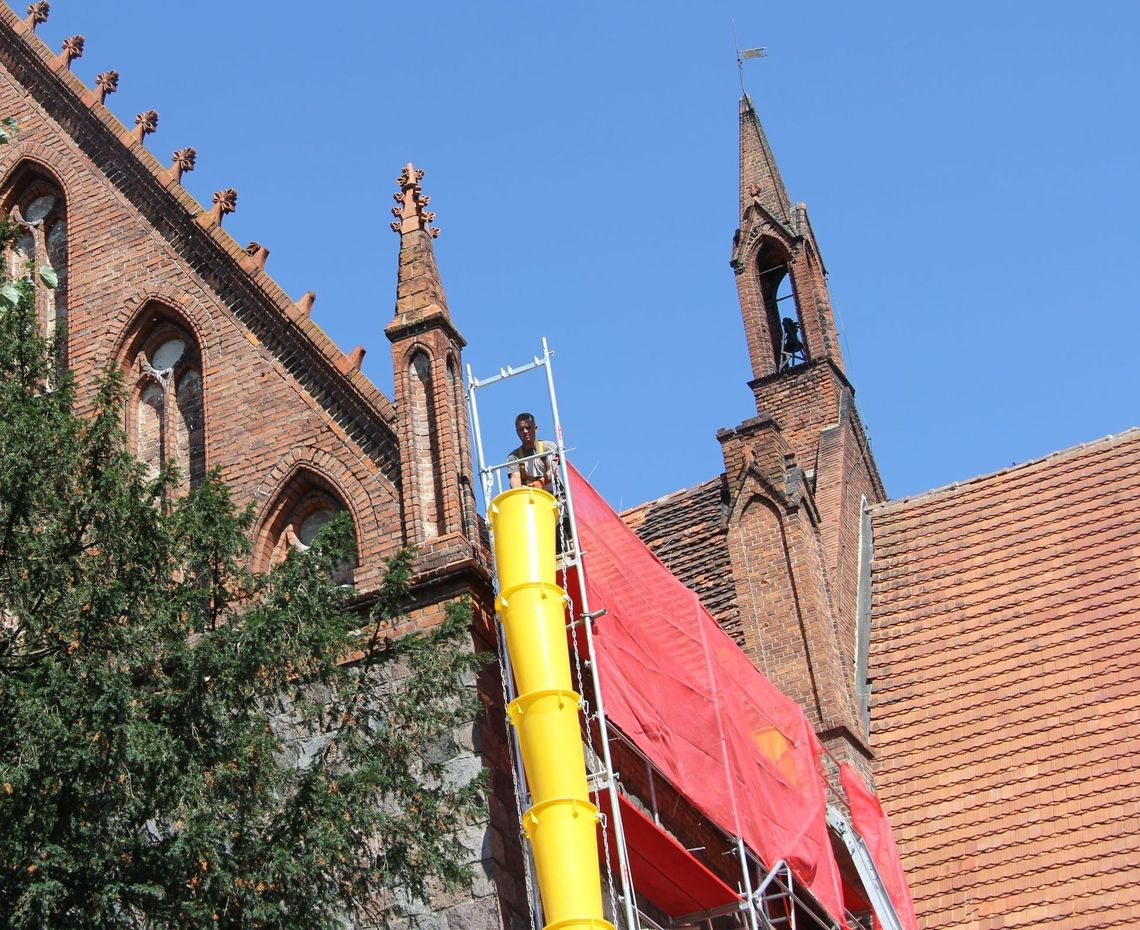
540 472
537 472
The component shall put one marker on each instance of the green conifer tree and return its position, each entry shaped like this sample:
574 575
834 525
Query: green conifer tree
182 743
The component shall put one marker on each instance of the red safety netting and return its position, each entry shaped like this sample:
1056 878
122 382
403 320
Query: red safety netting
694 703
870 822
663 870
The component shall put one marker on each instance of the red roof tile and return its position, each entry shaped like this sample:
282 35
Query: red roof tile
1006 705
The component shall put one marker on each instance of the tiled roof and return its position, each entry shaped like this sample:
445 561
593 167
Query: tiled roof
1006 708
686 531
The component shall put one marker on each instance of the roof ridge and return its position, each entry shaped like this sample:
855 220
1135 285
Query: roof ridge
671 495
897 523
1112 439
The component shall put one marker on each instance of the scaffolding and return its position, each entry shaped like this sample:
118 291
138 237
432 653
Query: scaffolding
766 897
601 776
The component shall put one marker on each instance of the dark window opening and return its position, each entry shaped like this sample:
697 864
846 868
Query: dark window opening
780 307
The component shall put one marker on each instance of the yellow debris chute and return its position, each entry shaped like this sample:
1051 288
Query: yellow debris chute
561 823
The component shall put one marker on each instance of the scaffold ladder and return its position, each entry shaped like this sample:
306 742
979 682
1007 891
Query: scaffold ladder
601 775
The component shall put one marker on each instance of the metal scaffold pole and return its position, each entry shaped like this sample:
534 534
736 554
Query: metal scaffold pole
588 624
606 779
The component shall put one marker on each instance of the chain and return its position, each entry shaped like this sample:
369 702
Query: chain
604 820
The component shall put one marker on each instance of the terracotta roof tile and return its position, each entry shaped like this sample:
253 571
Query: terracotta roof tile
686 531
1006 612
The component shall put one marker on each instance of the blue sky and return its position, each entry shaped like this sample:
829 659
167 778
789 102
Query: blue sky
970 169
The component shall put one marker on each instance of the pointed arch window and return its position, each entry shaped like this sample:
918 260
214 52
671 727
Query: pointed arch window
773 269
428 490
39 210
458 423
302 509
166 422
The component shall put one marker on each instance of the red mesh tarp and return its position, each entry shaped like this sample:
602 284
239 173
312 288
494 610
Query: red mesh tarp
663 870
694 703
870 822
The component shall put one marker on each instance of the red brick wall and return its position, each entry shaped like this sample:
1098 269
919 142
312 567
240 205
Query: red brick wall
279 413
257 413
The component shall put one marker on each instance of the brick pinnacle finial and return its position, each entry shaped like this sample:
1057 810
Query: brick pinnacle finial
145 123
108 83
72 49
305 304
184 160
352 361
37 13
410 214
224 202
258 253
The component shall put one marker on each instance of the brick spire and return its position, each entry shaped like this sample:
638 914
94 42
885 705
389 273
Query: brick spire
419 291
759 175
436 486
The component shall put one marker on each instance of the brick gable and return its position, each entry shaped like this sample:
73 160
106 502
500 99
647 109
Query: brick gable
276 391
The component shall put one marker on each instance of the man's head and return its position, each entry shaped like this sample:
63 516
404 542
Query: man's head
526 430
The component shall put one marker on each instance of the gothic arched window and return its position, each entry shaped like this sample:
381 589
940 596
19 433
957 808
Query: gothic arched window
37 206
302 509
428 492
166 422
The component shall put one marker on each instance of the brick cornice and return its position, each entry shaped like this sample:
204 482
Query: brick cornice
350 399
406 327
799 370
832 729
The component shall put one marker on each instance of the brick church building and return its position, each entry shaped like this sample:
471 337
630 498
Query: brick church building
966 650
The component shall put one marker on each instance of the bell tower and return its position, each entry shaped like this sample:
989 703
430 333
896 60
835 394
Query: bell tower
780 275
800 473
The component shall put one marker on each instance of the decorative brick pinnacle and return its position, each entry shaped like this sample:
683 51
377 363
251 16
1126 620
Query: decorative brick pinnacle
145 123
305 304
258 252
410 214
108 83
37 13
184 160
352 361
224 202
72 49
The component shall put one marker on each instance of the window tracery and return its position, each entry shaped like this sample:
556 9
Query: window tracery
302 510
38 208
167 423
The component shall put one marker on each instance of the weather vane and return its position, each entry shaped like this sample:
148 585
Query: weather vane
745 54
